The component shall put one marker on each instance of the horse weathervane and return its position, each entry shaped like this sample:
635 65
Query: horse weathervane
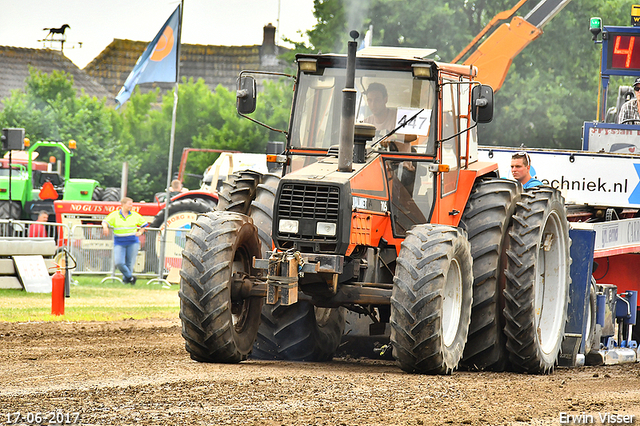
57 35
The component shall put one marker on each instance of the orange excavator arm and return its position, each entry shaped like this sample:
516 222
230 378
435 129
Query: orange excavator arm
494 56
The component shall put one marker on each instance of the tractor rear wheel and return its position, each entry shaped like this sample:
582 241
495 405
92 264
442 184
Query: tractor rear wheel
537 286
111 194
261 210
431 299
10 210
486 219
238 191
97 194
299 332
218 323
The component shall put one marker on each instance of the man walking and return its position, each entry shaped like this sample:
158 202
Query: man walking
127 227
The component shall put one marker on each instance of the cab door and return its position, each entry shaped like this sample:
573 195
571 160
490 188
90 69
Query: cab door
449 151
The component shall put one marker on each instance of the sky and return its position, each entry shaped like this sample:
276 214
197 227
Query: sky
95 23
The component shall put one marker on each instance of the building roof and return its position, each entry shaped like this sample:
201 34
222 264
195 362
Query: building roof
214 64
14 70
105 75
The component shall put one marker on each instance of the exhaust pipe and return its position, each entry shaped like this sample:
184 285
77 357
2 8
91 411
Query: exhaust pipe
345 151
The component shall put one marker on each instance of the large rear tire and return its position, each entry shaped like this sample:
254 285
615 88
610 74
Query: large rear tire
111 194
238 191
431 299
218 325
10 210
261 210
96 195
299 332
486 219
537 285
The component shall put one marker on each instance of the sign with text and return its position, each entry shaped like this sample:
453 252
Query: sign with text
596 179
418 121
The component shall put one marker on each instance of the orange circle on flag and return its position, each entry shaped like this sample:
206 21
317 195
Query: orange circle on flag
164 46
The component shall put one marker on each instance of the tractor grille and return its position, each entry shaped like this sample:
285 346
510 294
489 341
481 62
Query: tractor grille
302 201
309 204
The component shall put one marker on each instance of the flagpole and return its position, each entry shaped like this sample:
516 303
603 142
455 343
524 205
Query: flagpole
164 233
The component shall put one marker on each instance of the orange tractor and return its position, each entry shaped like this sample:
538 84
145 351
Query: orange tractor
402 224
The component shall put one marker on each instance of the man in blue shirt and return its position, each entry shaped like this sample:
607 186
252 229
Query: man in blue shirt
521 170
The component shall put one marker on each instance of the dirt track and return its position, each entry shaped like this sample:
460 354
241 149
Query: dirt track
137 372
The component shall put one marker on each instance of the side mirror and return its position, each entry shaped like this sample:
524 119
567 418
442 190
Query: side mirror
246 95
482 103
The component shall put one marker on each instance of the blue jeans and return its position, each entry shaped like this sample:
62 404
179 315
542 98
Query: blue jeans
125 258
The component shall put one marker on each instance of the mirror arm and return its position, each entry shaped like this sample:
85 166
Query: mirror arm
284 132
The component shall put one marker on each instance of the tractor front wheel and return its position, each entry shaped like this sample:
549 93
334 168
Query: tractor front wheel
218 323
431 299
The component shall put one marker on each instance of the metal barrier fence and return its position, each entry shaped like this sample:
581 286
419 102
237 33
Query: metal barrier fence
31 229
94 252
28 231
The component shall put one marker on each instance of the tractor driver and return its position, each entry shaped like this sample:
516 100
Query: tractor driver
382 117
521 170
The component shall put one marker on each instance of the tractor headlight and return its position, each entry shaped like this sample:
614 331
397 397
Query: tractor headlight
288 226
326 228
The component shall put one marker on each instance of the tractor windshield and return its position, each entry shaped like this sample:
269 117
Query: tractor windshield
385 99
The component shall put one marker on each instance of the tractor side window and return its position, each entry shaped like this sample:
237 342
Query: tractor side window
450 147
411 185
317 120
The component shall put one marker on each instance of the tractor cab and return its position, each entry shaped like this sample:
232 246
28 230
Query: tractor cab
413 129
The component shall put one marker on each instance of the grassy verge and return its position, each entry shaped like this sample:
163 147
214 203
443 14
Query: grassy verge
91 300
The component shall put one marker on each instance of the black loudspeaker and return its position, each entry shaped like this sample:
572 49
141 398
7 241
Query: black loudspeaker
13 139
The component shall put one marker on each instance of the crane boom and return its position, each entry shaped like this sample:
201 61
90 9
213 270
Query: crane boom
494 56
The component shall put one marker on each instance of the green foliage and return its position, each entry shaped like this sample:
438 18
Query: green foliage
49 109
205 119
328 35
139 134
552 86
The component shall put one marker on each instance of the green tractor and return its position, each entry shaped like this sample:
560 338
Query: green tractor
26 190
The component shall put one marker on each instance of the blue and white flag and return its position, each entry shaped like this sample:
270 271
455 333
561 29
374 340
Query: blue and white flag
159 62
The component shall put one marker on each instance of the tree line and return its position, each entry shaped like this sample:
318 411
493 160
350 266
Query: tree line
50 109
